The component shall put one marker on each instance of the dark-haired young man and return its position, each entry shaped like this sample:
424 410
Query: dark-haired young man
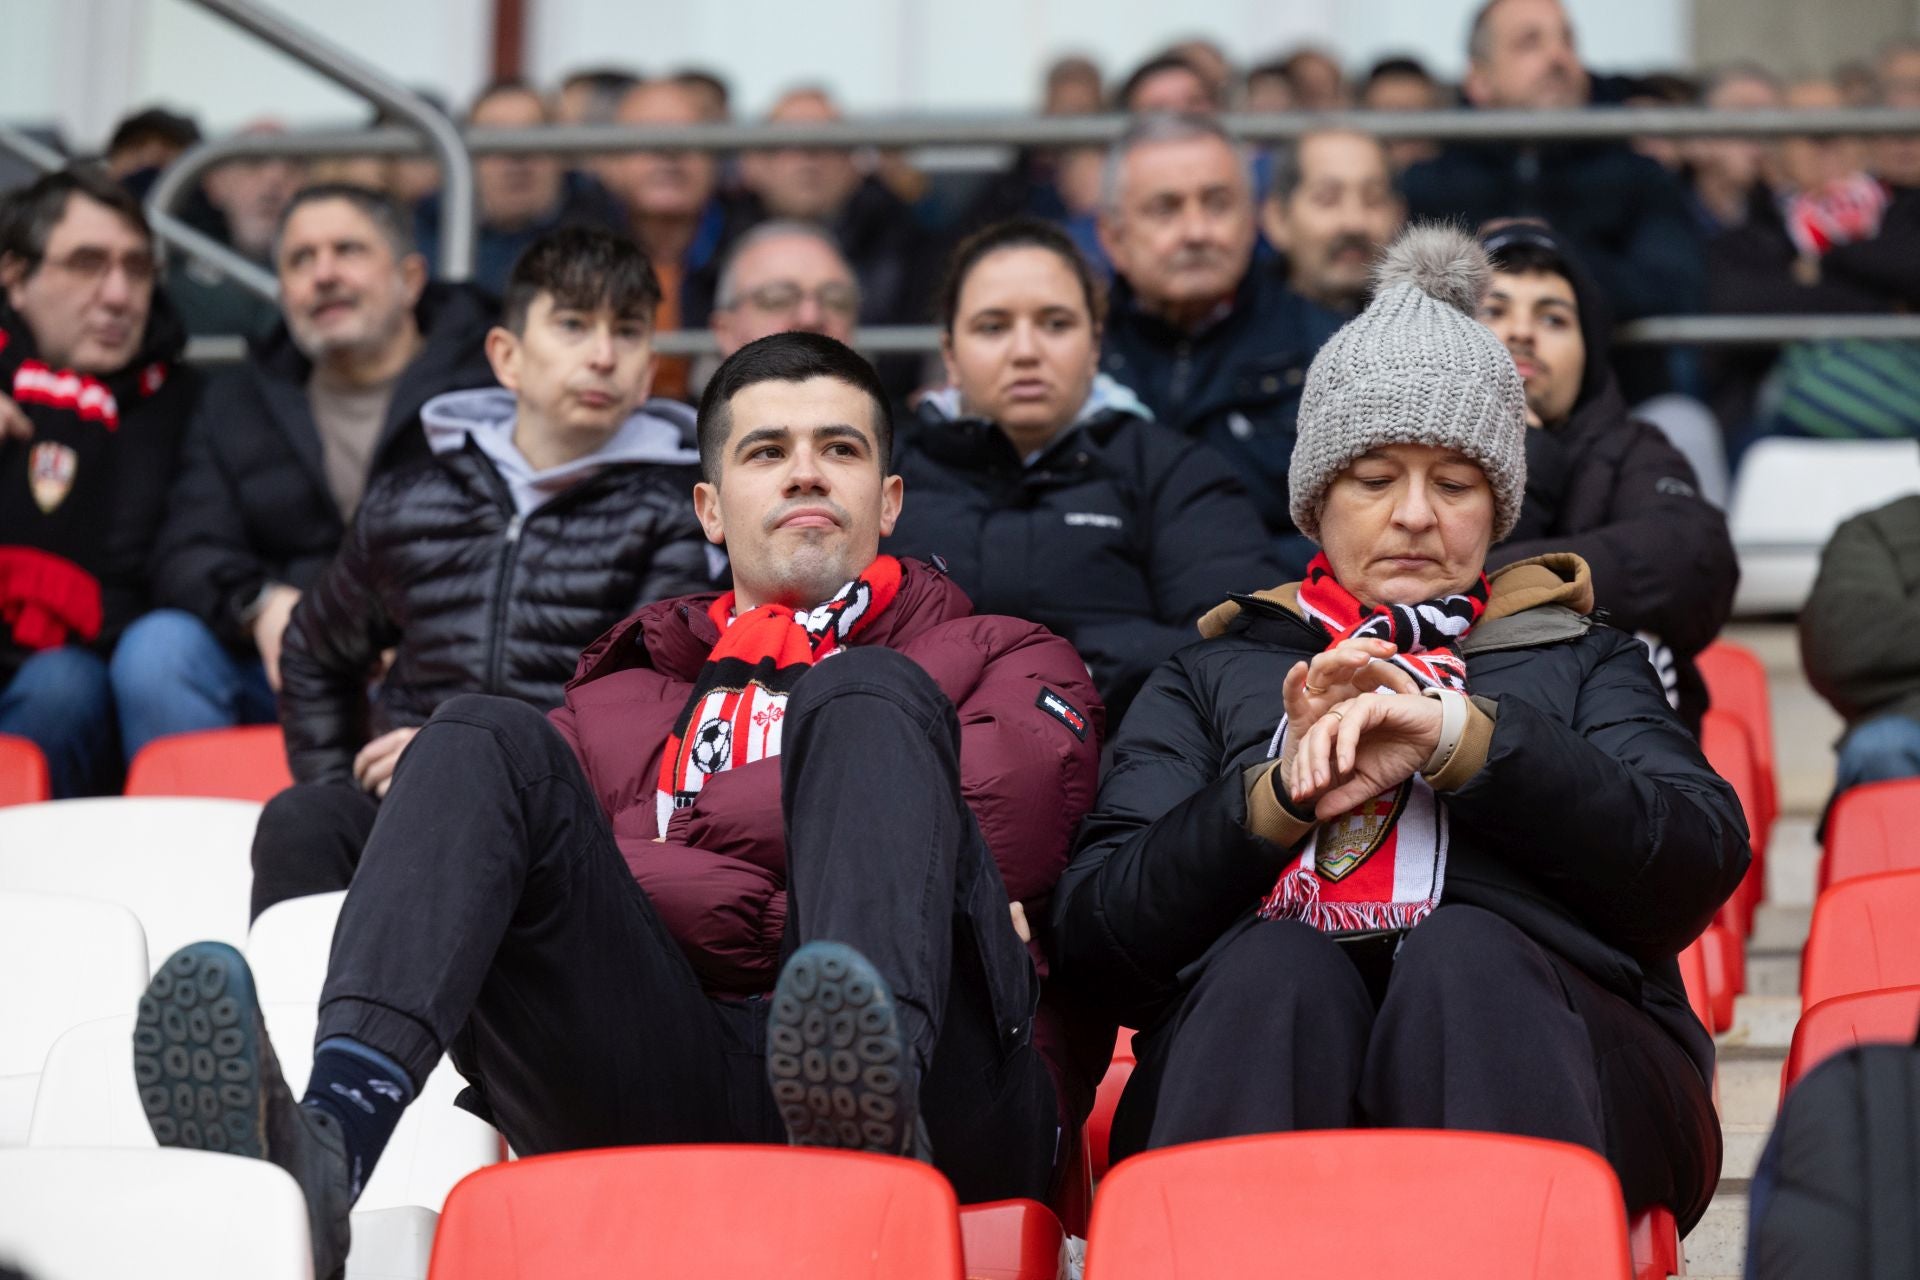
836 761
555 505
92 407
280 452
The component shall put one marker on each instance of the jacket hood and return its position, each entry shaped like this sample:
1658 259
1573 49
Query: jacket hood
1107 395
1557 578
674 637
1596 313
486 416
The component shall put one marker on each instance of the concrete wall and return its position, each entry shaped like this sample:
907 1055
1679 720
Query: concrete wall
1798 39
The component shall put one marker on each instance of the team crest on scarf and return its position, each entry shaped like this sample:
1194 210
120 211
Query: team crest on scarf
51 468
739 701
1382 864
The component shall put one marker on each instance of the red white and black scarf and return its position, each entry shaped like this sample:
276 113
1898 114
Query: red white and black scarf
1383 864
739 699
1844 211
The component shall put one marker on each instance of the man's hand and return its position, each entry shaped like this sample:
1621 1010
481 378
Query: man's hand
373 767
1361 748
14 423
1314 688
270 627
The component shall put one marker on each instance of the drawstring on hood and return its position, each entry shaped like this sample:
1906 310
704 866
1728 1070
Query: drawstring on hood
487 416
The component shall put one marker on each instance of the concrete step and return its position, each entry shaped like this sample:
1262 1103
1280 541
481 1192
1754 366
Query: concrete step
1749 1080
1774 973
1717 1246
1793 859
1762 1021
1780 928
1742 1144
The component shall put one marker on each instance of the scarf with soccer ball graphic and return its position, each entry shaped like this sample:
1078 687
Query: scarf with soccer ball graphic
740 697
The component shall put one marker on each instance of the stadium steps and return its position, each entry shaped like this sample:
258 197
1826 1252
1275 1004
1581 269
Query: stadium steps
1753 1051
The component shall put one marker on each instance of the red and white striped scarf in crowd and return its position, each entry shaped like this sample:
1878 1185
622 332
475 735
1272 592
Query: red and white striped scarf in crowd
739 699
1383 864
1841 212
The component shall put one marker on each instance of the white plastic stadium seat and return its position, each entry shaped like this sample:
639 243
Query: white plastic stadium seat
63 961
159 1215
88 1099
181 866
288 946
1792 494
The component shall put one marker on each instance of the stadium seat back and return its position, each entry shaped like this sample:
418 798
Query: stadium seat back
1736 682
1791 495
1443 1206
1729 749
247 763
1863 937
88 1099
1889 1016
1873 827
159 1215
289 945
1010 1240
182 866
709 1210
23 772
1693 973
1106 1101
63 961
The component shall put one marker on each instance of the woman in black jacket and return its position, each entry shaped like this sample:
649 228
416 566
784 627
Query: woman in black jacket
1400 845
1047 489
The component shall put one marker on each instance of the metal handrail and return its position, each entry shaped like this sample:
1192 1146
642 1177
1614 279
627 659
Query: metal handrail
438 134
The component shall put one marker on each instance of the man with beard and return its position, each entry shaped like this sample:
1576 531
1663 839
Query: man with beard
1215 346
281 451
1331 208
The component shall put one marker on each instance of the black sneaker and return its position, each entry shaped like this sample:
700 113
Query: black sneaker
209 1082
838 1062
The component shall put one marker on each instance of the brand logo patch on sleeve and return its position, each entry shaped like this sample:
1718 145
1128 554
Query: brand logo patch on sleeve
1063 711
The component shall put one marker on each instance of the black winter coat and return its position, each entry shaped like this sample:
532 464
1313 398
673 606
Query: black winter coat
1595 824
1613 491
1118 537
251 504
473 597
1235 384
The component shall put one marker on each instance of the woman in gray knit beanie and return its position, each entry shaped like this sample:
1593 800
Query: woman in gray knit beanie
1401 845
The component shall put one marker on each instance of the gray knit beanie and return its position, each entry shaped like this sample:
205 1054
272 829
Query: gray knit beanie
1416 367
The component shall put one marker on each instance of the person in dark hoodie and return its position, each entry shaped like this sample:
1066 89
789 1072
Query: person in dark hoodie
1601 483
1409 843
554 506
280 452
1046 487
93 403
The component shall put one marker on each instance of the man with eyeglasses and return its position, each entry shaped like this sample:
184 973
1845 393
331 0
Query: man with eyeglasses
782 277
92 407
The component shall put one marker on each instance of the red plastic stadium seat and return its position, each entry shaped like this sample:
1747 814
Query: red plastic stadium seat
1112 1085
23 772
1737 683
1723 982
1410 1202
1654 1240
700 1211
1010 1240
1863 938
1890 1016
223 764
1724 741
1693 973
1874 827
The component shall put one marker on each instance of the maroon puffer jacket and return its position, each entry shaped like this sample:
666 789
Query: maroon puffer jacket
720 883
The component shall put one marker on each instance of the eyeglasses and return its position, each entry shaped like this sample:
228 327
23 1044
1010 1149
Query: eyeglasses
783 297
93 265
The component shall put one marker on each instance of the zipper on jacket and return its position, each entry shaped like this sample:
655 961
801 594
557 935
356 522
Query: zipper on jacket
496 631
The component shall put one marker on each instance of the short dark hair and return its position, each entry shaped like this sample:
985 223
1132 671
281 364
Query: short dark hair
582 268
711 81
396 228
1123 97
1016 233
1399 64
29 215
786 357
154 124
511 85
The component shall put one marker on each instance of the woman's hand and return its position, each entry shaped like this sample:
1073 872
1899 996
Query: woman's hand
1363 747
1312 689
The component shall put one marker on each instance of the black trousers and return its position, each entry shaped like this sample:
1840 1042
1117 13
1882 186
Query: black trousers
309 840
1476 1026
492 917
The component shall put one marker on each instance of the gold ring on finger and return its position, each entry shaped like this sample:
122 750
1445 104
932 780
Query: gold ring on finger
1314 690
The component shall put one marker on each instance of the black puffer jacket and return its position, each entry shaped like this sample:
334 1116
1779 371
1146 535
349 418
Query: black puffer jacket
251 505
1612 490
1118 537
1234 384
476 598
1594 825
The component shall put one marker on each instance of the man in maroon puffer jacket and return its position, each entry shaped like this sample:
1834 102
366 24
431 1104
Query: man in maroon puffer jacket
593 921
